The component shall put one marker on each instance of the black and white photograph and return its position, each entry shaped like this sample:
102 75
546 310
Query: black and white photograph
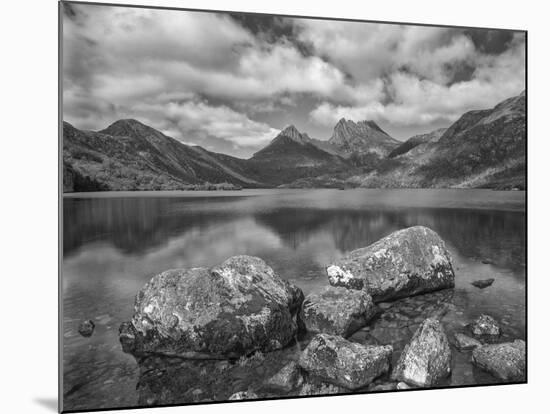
260 206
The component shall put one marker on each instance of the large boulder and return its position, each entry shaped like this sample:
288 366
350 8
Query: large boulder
347 364
505 361
426 359
337 310
407 262
230 310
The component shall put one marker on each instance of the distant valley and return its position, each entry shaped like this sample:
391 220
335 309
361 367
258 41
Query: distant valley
482 149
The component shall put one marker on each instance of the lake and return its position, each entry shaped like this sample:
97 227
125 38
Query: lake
113 243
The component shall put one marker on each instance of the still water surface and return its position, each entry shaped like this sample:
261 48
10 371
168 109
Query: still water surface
114 242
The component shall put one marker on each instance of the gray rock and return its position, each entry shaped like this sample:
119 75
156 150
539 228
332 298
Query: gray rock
407 262
464 342
385 386
243 395
426 359
483 283
230 310
485 326
288 378
86 328
505 361
320 388
403 386
344 363
337 310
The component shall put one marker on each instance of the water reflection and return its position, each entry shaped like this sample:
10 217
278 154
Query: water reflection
113 245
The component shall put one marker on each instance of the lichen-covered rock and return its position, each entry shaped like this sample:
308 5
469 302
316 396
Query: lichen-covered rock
407 262
485 327
341 362
426 359
464 342
230 310
287 378
337 310
86 328
505 361
243 395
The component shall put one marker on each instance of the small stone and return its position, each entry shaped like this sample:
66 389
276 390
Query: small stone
386 386
321 388
86 328
243 395
463 342
403 386
288 378
505 361
482 284
485 326
487 261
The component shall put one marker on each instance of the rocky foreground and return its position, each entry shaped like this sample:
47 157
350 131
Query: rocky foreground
234 323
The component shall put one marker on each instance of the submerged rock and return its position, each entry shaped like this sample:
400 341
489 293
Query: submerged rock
464 342
482 284
383 386
485 327
337 310
86 328
243 395
407 262
288 378
403 386
341 362
426 359
230 310
320 388
505 361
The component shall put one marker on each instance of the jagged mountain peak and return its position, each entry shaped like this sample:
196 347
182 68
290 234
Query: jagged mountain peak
293 133
361 137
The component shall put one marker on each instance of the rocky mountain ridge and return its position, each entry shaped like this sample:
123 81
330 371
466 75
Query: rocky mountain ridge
483 148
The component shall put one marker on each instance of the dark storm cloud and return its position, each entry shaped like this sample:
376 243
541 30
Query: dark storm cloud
230 82
491 42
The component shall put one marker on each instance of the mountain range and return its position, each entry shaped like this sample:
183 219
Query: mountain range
483 148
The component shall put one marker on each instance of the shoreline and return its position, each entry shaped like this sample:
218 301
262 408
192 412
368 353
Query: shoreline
191 193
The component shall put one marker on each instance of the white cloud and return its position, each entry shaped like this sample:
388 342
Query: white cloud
416 101
190 119
204 75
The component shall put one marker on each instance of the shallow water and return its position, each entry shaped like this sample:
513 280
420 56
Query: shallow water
114 242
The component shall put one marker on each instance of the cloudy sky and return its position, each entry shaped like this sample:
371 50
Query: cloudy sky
231 82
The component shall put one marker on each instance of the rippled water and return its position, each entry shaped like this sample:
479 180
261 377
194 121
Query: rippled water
113 244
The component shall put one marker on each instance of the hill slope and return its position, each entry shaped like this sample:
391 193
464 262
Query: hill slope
129 155
483 148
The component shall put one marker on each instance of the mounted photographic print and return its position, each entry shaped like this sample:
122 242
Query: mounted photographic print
259 206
